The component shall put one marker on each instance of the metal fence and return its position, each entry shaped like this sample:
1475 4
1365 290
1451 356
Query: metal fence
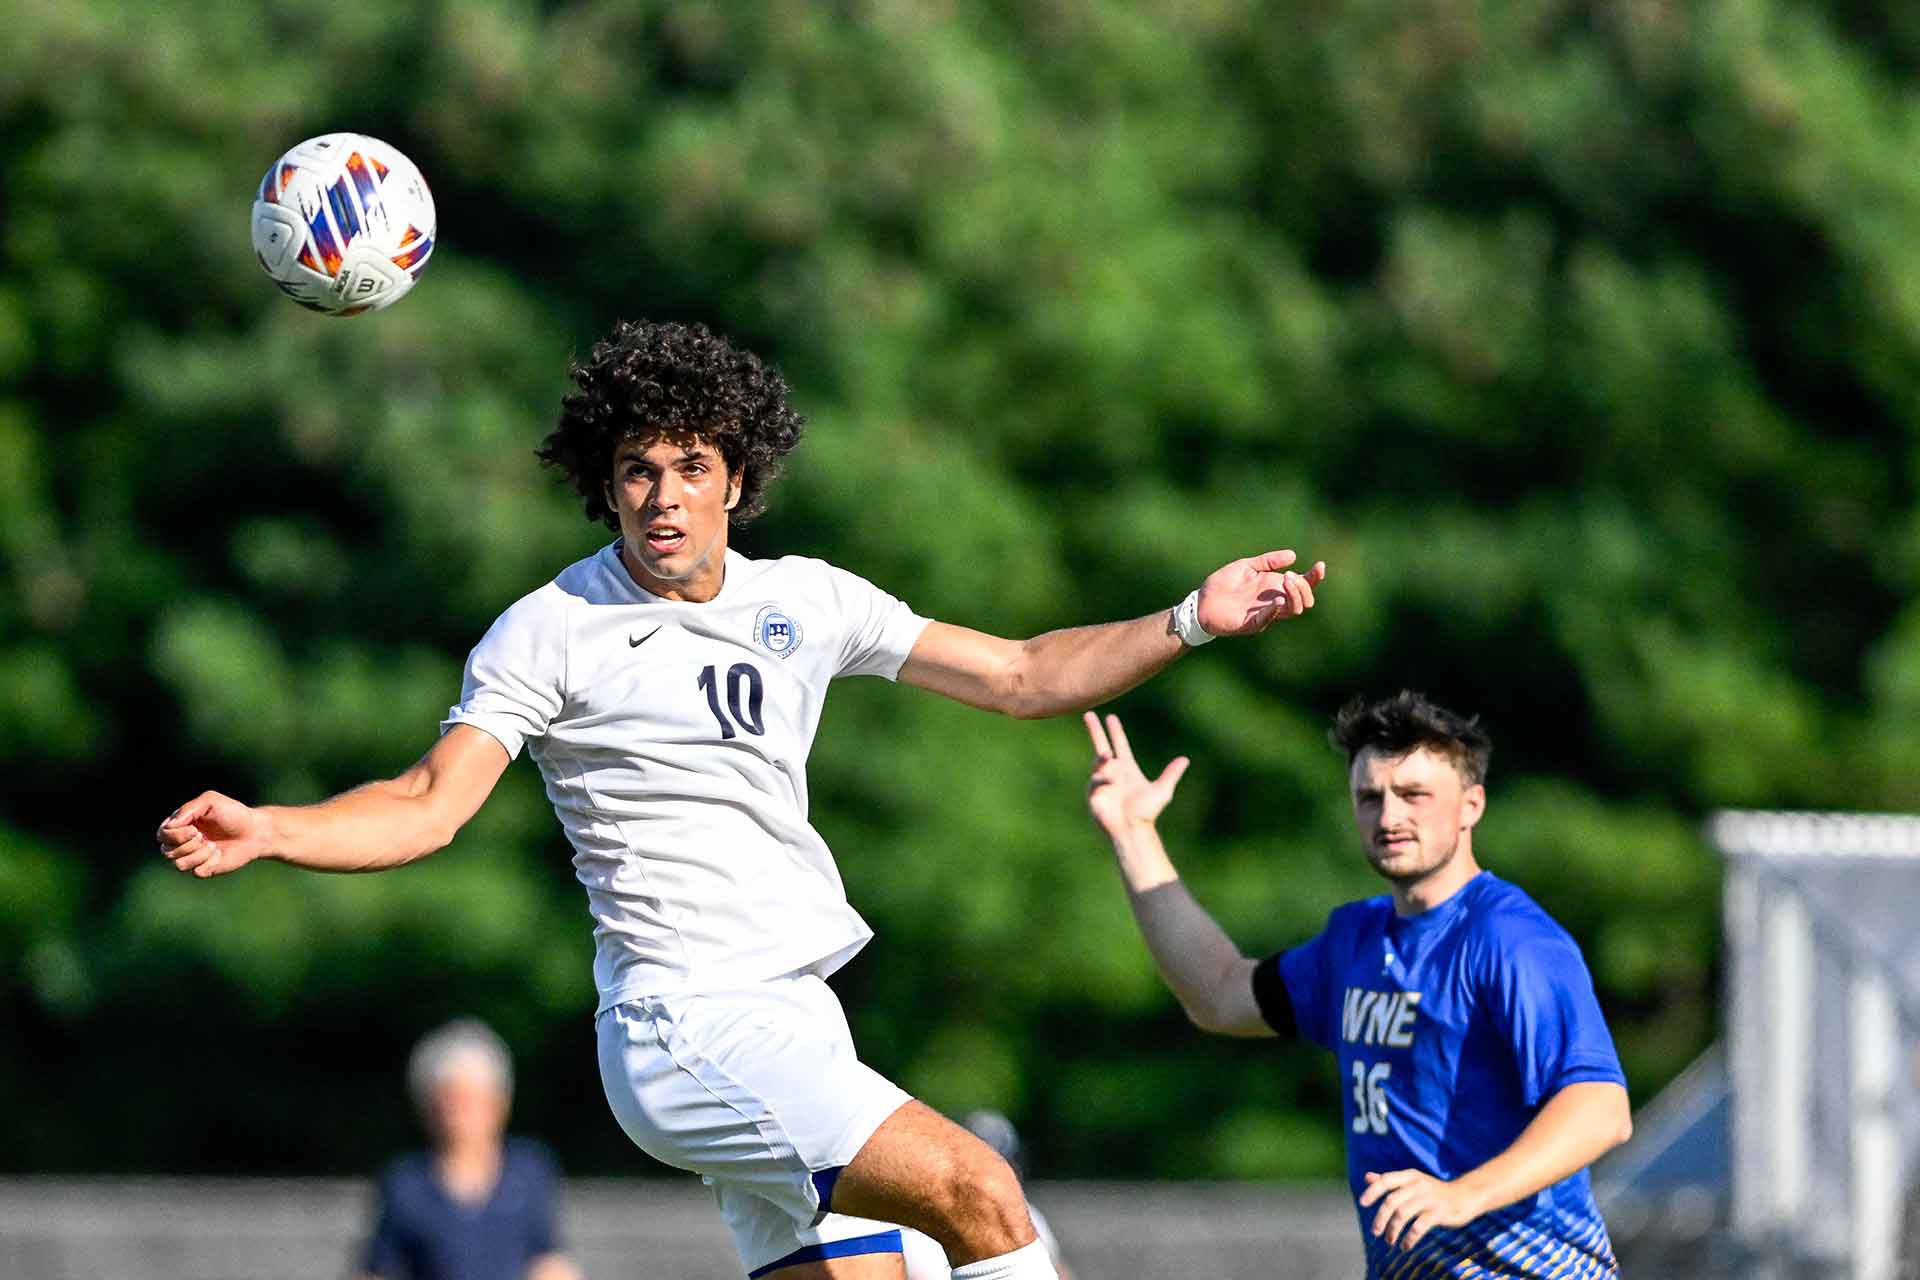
667 1229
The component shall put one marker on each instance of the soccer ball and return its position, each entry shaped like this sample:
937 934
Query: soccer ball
343 224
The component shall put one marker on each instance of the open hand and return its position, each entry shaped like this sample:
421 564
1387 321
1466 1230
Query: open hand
1118 793
1413 1203
211 835
1248 596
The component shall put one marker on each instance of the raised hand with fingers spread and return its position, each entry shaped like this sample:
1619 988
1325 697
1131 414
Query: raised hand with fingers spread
1119 793
1199 962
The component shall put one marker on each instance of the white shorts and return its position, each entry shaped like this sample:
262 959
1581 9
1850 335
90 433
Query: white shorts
760 1092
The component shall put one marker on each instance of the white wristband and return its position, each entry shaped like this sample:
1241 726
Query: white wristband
1186 622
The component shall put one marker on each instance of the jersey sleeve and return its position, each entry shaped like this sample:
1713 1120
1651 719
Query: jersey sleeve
878 631
1544 1004
1290 987
516 676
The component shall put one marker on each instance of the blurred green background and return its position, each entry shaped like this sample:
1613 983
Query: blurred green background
1579 339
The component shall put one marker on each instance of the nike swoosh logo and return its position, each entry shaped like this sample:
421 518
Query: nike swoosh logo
634 642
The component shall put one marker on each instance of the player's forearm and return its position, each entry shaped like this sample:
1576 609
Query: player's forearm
379 825
1081 667
1577 1126
1197 960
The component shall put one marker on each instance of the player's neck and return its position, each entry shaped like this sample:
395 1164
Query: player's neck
699 586
1412 897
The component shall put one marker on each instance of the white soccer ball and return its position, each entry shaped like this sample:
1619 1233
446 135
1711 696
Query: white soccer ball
344 224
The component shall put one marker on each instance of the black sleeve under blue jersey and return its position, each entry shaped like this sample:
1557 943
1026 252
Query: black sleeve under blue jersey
1270 993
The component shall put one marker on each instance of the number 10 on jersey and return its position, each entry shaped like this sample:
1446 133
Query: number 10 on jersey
743 699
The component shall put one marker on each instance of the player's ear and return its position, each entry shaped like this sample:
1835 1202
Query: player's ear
1473 805
734 479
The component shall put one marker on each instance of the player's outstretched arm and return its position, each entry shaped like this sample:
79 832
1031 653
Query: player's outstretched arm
1575 1127
1081 667
381 824
1202 966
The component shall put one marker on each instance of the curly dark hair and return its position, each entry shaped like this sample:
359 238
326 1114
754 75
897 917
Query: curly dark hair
649 380
1394 726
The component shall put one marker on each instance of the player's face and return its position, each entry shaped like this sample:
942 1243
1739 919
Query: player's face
1412 811
672 495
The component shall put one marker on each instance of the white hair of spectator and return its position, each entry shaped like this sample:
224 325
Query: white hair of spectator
441 1051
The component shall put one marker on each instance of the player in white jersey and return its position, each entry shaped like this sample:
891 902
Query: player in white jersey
669 689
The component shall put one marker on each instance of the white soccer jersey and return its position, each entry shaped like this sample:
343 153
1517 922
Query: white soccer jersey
673 738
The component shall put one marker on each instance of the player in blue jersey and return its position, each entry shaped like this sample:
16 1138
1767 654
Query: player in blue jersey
1480 1078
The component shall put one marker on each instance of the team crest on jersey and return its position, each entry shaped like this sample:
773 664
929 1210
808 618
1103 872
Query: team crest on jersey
776 632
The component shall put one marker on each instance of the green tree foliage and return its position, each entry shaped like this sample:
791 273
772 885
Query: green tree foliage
1582 340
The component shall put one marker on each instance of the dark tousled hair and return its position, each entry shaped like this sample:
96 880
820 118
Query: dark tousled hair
1407 721
646 380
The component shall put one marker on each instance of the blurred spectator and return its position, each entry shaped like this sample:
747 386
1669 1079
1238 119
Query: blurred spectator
478 1205
925 1259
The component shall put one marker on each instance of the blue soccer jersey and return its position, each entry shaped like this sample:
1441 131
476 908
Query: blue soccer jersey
1452 1028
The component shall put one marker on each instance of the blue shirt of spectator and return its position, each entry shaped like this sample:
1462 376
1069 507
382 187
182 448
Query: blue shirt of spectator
425 1233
